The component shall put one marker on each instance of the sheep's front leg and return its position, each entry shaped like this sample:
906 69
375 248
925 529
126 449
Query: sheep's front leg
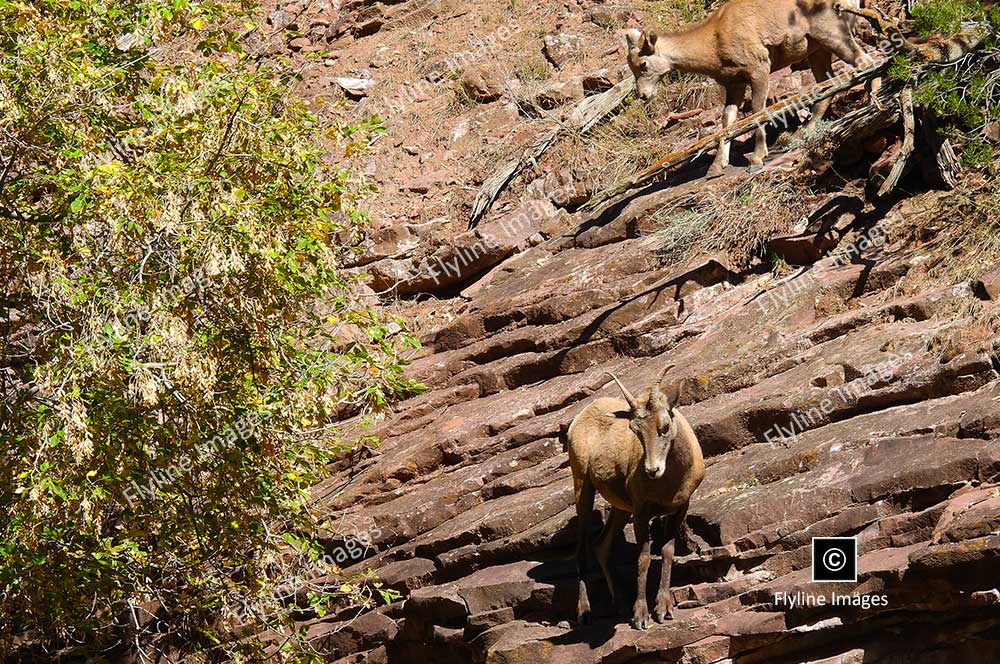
734 97
584 508
758 88
640 612
664 600
821 63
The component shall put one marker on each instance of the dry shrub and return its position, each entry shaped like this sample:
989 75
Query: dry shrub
738 221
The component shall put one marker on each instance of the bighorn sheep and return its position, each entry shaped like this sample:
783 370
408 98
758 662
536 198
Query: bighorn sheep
644 458
740 44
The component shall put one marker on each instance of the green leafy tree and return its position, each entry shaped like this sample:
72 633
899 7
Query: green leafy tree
176 334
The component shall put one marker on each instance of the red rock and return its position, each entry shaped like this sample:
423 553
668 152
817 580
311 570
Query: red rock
989 283
970 564
407 575
481 83
560 48
973 514
470 492
342 638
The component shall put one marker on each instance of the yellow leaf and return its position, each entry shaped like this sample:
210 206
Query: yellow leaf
92 473
197 24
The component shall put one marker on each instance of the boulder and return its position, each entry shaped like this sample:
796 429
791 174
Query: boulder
989 283
481 83
560 48
355 87
338 639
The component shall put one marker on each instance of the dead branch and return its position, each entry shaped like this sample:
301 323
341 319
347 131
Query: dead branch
945 161
906 149
879 21
587 114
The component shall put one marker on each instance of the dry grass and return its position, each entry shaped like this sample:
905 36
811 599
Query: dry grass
673 15
533 69
738 221
968 242
956 236
634 139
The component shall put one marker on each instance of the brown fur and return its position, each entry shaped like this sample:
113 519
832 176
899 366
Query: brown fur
608 455
740 44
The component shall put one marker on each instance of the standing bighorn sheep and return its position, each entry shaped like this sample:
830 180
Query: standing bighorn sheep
740 44
644 458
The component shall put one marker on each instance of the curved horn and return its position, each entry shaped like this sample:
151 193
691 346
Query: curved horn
659 381
665 398
628 395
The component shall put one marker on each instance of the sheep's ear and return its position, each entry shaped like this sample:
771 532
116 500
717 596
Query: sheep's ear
649 41
665 398
671 394
633 37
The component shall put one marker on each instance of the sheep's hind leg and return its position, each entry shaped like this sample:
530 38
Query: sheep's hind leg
584 508
605 544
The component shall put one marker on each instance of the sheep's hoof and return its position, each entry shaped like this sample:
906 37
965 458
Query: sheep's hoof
663 616
714 171
641 620
584 617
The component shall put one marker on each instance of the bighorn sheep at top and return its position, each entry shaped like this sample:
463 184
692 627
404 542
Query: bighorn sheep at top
740 44
644 459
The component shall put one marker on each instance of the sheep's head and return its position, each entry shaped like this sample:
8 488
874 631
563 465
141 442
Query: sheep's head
653 423
646 64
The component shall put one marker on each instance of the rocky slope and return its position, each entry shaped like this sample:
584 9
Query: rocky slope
845 388
838 401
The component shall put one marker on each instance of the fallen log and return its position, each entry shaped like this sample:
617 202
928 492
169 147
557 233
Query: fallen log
589 112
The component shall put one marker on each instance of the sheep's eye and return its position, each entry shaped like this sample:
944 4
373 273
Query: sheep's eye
643 66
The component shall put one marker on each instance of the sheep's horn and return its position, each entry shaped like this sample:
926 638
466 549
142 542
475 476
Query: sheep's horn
657 396
628 395
663 374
